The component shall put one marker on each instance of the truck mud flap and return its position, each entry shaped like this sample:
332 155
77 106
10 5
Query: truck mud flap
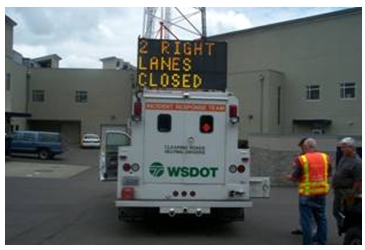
260 187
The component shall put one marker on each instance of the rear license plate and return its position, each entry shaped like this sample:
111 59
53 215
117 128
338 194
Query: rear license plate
130 181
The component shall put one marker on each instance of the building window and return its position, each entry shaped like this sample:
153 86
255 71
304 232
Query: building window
81 96
313 92
8 81
38 95
347 90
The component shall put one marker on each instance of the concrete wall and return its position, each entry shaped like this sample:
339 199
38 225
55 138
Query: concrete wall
109 96
324 51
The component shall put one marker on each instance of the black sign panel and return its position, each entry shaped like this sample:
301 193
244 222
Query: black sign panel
177 64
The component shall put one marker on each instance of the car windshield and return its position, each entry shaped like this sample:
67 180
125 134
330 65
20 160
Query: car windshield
91 136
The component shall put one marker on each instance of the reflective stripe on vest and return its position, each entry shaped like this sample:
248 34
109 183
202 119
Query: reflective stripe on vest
314 180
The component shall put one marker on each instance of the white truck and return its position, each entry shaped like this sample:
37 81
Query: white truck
183 158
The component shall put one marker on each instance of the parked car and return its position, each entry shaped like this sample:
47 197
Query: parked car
90 141
45 144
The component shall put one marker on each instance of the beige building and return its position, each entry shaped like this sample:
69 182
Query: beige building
42 96
299 77
293 78
78 101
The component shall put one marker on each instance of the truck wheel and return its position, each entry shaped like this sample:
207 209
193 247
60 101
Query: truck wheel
353 236
44 154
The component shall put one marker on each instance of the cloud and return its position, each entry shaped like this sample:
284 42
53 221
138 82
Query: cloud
263 16
222 21
81 36
31 51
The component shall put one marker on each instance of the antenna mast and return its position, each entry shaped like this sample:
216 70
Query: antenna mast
174 22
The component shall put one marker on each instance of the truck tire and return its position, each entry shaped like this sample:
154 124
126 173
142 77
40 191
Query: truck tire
353 236
44 154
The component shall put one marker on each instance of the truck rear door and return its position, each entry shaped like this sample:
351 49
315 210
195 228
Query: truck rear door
108 158
185 142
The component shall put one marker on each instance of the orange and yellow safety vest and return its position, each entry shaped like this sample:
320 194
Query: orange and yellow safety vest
314 179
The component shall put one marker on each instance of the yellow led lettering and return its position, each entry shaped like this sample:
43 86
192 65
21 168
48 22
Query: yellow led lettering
186 64
143 47
177 48
209 46
154 63
198 48
140 64
187 49
164 80
165 63
175 80
197 81
151 83
142 79
175 64
165 47
185 81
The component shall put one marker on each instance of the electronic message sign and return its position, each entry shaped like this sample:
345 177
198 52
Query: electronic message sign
178 64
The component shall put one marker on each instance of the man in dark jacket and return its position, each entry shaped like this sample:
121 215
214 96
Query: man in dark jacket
347 179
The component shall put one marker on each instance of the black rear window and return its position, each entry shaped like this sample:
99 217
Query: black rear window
164 123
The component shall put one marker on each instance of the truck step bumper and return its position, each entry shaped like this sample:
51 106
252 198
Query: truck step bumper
183 207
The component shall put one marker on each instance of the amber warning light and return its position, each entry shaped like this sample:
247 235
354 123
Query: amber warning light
177 64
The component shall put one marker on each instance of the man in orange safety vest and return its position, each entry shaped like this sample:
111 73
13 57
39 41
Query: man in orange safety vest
312 172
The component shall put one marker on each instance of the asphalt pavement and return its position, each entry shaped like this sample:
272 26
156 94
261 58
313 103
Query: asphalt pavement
78 209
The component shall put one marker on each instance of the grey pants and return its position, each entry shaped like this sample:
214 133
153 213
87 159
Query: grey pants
340 194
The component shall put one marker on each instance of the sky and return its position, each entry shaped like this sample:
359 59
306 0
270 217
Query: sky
82 36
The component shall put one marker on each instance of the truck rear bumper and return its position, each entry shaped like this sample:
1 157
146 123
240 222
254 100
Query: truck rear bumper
183 207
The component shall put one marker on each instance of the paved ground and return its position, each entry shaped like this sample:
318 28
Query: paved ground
78 209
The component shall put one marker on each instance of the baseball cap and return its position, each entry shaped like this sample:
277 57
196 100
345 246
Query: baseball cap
349 141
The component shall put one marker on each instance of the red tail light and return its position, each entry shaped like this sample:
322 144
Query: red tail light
127 167
241 168
137 110
233 111
127 193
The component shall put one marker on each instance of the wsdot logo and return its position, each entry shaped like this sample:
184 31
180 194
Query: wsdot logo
157 169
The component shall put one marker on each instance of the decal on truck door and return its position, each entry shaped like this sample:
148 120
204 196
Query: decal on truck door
157 170
194 107
184 149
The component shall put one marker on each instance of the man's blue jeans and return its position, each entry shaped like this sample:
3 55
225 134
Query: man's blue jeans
309 207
